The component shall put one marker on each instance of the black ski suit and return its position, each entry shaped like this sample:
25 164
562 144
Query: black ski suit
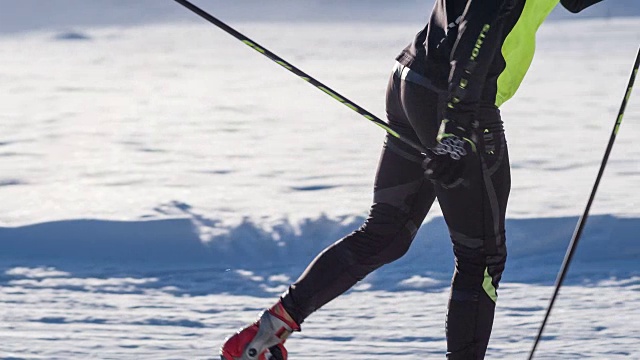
473 55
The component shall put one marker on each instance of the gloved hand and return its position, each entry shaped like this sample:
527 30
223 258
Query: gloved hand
449 161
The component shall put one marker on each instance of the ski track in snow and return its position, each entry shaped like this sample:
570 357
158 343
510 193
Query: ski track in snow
215 176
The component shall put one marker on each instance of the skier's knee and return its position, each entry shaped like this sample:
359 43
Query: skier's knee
479 267
491 250
374 245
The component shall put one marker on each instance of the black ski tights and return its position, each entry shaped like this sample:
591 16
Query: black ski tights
402 197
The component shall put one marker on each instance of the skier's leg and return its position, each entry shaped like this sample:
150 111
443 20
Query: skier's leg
475 215
402 198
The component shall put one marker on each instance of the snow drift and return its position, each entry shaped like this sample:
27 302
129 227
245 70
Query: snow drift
609 247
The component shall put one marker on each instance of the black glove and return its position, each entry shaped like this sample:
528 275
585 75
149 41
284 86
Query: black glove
448 162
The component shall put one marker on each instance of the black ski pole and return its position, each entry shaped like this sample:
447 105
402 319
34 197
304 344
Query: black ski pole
348 103
583 219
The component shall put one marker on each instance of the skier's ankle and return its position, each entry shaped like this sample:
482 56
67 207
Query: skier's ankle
281 313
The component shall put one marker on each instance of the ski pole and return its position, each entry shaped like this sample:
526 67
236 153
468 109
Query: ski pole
583 219
278 60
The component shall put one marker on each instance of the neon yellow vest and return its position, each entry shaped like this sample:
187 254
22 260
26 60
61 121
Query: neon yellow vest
520 45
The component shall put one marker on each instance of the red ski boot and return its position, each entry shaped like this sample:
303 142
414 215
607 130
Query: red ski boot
262 340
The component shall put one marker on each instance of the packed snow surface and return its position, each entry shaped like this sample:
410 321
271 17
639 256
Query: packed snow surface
162 184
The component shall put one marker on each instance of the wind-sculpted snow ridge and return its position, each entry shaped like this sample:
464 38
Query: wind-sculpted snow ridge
262 258
154 289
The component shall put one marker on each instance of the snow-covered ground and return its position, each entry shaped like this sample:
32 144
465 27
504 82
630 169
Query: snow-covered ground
161 184
60 316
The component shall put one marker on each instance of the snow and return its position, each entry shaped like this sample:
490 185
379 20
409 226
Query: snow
93 319
27 15
162 183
